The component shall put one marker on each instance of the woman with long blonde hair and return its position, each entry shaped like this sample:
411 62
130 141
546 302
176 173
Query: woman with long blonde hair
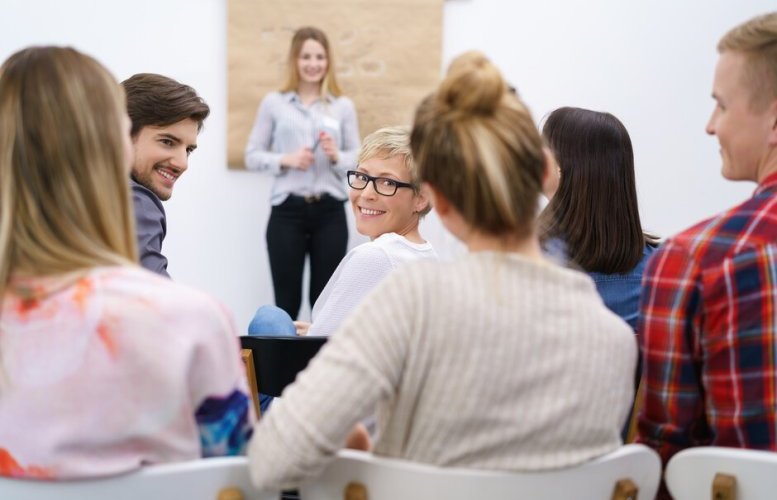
307 136
104 366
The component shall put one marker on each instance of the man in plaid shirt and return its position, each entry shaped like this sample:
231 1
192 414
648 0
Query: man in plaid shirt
708 326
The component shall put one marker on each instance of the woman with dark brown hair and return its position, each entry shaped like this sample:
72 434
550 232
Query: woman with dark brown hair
592 219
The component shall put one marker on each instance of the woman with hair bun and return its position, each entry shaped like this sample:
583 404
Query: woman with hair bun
499 360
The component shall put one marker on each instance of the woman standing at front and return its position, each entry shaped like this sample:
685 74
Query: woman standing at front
306 135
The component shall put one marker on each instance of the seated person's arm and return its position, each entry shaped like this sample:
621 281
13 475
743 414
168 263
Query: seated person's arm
224 413
363 271
672 404
150 227
358 367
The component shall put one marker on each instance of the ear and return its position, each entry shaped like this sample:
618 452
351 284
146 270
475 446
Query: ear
552 175
423 198
773 117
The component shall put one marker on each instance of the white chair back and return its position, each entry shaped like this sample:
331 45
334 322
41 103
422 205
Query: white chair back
224 478
354 475
729 473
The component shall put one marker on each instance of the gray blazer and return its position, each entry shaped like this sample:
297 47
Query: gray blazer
151 227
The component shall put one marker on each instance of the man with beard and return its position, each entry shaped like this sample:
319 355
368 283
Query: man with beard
166 118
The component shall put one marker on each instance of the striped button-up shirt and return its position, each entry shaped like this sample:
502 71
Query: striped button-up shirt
708 328
285 125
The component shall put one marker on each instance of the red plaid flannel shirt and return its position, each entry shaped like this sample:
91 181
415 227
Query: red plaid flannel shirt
708 331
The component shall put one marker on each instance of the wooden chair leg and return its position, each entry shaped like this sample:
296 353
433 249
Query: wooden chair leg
253 386
355 491
631 435
625 489
724 487
230 494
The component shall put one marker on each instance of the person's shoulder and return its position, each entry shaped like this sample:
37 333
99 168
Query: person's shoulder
144 309
372 251
737 229
275 98
144 198
137 285
344 101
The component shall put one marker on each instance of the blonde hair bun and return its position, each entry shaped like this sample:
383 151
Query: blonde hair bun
473 85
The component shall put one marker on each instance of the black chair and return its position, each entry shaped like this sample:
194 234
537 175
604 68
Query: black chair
278 360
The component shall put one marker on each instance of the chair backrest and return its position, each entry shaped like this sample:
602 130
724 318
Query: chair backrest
278 360
224 478
633 469
733 473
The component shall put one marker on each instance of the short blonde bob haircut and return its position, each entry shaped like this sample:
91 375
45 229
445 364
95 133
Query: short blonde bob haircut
329 83
477 145
389 142
64 193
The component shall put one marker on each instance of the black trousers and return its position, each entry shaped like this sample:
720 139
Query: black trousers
297 228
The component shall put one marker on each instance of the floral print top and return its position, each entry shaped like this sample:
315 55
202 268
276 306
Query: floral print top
109 369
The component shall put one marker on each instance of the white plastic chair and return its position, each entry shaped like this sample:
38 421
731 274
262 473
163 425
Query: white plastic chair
224 478
729 473
358 475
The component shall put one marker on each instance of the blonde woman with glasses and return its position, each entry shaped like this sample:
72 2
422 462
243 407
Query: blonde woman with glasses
104 366
388 204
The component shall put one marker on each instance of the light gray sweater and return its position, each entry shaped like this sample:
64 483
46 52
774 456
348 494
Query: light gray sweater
493 362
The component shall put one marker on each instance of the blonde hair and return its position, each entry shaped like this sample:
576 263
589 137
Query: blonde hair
64 194
757 40
476 143
329 83
389 142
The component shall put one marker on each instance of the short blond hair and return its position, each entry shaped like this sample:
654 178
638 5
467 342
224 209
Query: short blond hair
389 142
757 40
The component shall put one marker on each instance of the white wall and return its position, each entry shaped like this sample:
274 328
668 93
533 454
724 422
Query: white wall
649 63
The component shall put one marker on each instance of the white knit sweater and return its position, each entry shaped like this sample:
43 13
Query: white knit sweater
492 362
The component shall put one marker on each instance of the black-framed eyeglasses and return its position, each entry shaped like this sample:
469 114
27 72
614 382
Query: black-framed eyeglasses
383 185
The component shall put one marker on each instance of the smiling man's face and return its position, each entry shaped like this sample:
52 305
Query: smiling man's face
162 155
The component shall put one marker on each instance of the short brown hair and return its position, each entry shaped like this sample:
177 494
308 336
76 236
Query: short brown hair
476 143
160 101
757 39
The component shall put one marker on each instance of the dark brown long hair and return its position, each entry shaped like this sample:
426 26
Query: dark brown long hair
595 209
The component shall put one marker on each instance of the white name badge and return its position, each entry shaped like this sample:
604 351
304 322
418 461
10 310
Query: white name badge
330 123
